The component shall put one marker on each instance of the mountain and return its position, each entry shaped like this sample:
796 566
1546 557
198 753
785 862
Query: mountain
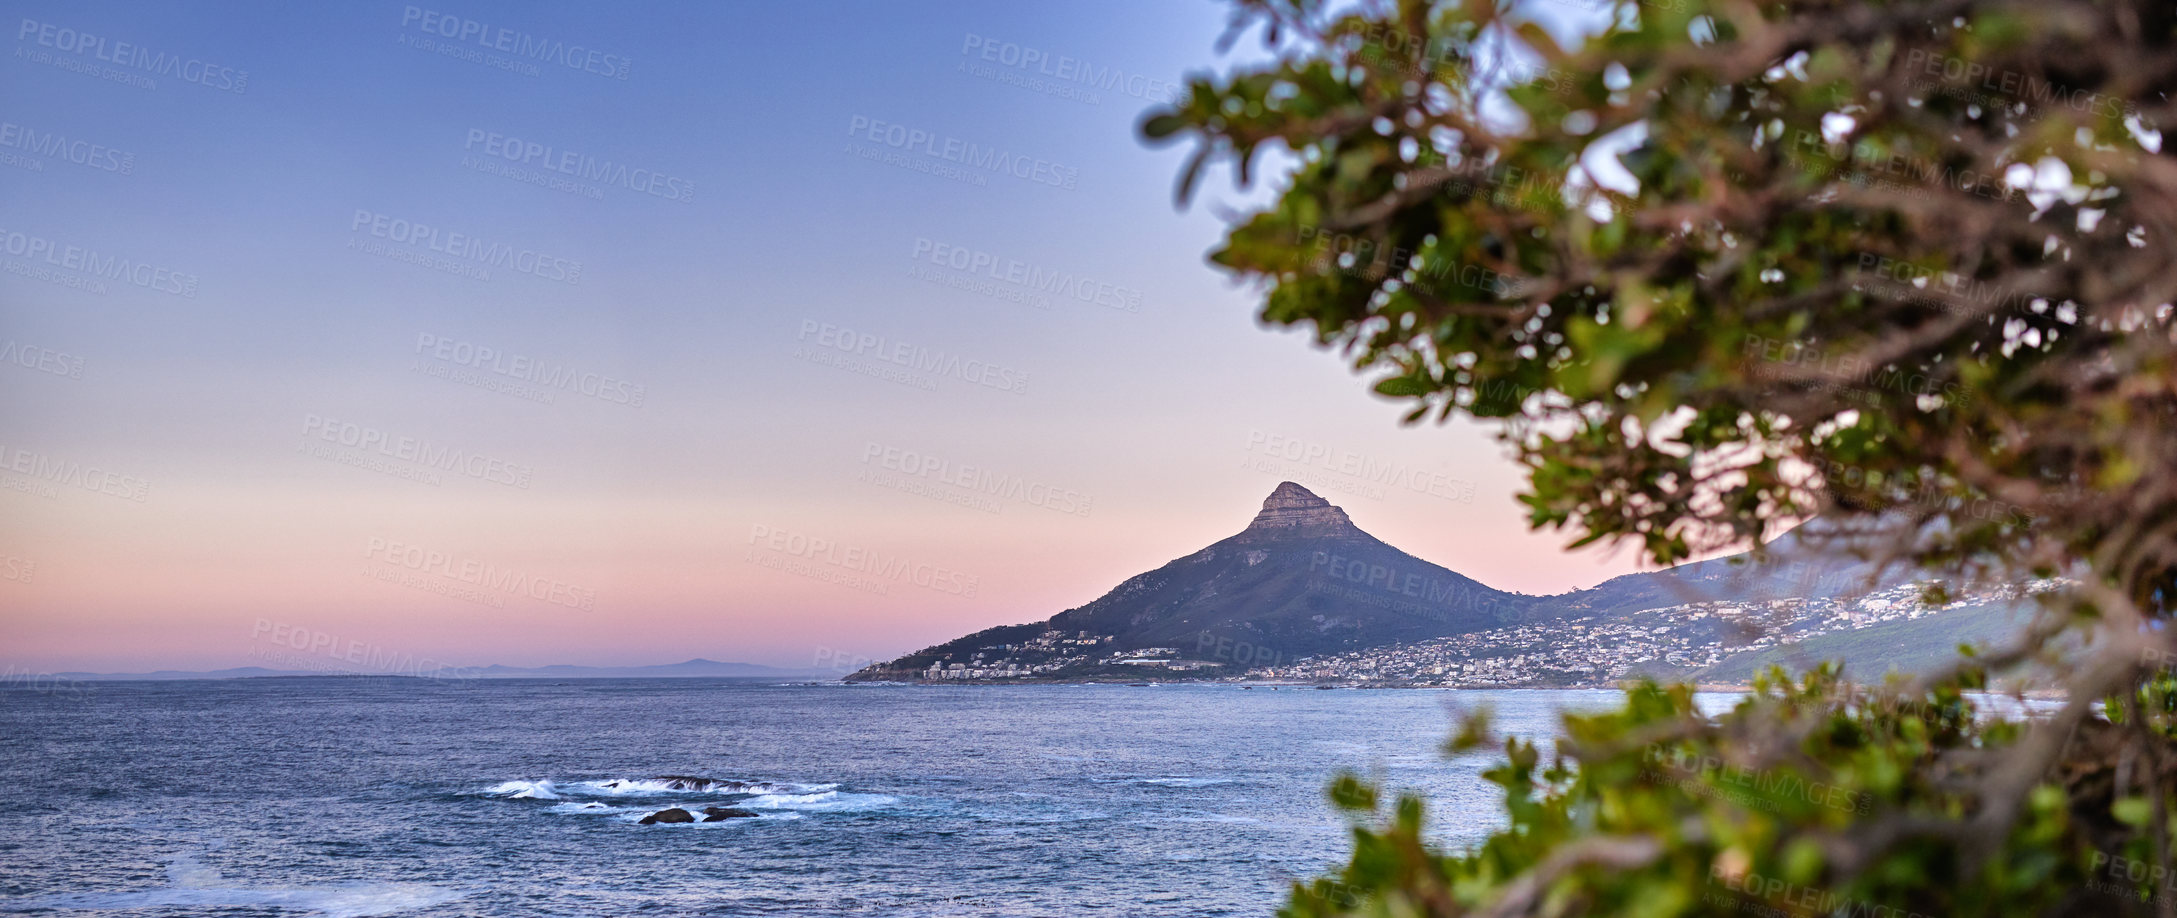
1304 593
1300 580
696 668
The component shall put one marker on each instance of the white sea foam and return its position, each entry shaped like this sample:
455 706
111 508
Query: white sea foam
826 801
651 787
1215 818
641 796
348 901
195 887
520 790
589 807
1185 782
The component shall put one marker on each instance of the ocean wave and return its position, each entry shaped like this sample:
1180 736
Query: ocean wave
589 807
826 801
349 901
645 796
1218 818
192 889
1184 782
675 784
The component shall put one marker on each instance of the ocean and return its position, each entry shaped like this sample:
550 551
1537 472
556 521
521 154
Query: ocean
380 796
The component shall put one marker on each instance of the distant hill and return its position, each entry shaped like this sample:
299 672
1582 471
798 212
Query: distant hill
696 668
1870 653
1789 568
1301 582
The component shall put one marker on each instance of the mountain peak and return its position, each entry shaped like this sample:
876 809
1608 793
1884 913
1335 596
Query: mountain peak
1288 493
1292 511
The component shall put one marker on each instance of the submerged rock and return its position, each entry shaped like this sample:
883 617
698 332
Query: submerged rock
719 813
675 814
693 783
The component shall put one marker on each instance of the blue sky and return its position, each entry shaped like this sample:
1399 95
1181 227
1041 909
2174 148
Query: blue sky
694 335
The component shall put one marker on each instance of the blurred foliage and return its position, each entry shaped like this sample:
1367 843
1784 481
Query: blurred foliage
1900 267
1657 810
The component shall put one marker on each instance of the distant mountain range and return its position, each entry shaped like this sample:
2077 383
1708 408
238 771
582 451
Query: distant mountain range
1303 583
696 668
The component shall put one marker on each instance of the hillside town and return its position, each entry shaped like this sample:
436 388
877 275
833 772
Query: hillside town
1680 639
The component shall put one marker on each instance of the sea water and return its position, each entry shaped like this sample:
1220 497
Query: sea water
523 798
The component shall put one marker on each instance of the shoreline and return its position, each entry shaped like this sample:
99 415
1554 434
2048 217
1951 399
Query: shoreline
1276 684
1701 687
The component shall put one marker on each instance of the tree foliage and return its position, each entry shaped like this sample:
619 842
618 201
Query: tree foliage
1901 266
1656 810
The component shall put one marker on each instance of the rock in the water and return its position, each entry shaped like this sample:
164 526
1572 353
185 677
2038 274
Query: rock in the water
693 783
718 813
676 814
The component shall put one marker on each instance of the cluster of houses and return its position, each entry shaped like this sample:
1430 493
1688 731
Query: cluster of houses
1593 651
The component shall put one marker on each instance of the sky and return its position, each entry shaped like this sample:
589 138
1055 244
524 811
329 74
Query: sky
379 336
